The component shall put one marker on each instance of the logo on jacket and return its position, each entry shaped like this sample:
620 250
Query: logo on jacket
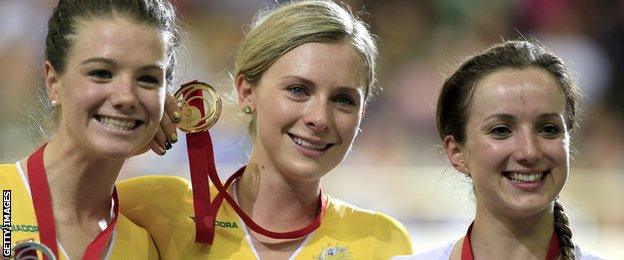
223 224
335 252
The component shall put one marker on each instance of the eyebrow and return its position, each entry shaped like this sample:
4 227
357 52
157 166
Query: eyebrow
502 116
549 115
298 78
112 63
310 83
509 117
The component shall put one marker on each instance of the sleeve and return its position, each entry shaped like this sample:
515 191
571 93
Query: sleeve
392 238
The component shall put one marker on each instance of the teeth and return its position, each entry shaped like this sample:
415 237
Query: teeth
525 177
117 124
308 145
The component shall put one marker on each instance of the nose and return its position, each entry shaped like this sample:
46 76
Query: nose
528 150
317 117
124 95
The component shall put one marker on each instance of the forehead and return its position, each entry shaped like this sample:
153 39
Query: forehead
330 63
119 38
518 91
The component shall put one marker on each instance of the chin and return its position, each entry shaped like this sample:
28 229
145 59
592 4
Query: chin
305 170
529 208
116 150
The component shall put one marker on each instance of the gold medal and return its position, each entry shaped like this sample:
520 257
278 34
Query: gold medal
190 97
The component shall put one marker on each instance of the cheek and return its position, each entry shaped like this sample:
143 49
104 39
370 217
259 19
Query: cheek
154 103
559 152
348 125
277 112
77 98
486 154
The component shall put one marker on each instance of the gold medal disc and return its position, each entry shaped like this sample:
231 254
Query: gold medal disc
190 97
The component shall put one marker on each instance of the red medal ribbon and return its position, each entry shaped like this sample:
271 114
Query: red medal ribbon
553 248
42 202
259 229
202 167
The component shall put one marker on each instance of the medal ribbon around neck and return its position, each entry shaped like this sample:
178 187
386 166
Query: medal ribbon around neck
42 202
466 253
196 122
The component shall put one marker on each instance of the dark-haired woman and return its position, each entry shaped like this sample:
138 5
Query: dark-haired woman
107 67
505 118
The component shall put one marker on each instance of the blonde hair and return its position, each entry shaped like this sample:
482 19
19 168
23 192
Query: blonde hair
276 32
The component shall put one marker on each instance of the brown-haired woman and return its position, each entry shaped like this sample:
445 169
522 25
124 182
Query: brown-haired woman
505 118
107 67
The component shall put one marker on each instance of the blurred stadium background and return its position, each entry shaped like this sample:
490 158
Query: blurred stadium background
396 165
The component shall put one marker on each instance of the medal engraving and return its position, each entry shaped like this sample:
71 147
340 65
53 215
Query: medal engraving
190 117
192 98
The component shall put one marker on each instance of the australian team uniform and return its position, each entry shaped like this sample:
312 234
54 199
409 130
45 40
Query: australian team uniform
164 206
128 240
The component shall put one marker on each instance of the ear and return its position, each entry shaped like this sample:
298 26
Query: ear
246 93
52 82
455 154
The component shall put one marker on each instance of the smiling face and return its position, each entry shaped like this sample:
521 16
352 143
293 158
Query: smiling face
517 145
308 108
111 92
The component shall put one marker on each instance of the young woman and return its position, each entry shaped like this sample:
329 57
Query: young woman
107 67
304 74
505 118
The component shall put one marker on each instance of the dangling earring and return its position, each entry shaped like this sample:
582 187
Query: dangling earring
247 110
54 103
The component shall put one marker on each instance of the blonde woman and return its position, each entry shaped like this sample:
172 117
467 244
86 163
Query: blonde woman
304 74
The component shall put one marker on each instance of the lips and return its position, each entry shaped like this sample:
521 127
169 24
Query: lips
118 123
315 146
525 177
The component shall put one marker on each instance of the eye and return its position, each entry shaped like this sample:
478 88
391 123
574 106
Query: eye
500 132
298 91
149 80
344 100
100 75
550 130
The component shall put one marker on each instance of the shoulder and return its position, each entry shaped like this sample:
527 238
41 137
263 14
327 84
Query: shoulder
581 254
146 198
440 253
132 241
380 220
8 169
11 177
129 232
353 214
389 234
153 190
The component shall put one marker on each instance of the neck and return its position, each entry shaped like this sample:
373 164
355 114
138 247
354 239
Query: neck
498 236
80 185
275 202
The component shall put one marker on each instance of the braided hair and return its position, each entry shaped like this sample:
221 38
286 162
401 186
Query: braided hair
562 228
